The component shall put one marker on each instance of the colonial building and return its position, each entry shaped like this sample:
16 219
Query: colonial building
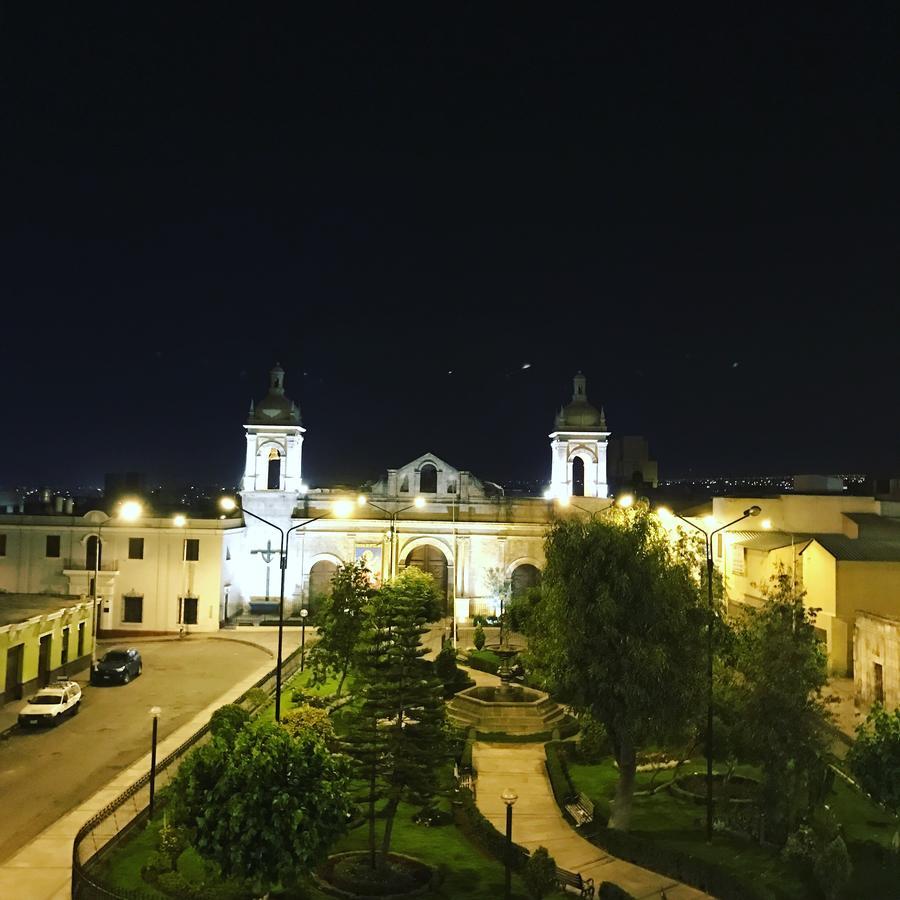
164 574
843 550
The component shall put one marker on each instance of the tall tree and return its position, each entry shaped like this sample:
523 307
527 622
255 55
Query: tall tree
620 633
398 736
779 670
874 757
341 620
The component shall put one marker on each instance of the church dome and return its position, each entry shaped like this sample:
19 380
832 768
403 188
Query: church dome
276 408
580 414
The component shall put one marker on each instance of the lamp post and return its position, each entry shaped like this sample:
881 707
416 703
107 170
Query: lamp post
303 614
154 712
129 511
509 797
418 503
229 504
707 537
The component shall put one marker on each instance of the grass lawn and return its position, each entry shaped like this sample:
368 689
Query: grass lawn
679 823
300 680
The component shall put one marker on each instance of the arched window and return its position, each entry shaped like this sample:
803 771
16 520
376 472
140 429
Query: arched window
90 555
524 577
578 477
428 479
273 482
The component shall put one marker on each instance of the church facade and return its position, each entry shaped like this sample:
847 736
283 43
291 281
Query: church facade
162 575
468 534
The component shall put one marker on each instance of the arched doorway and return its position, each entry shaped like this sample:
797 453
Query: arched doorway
273 479
578 477
320 586
428 479
431 560
523 578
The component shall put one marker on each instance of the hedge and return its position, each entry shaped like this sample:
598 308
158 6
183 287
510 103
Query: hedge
469 818
568 728
483 661
558 772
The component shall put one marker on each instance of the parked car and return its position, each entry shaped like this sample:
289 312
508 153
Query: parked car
51 703
117 666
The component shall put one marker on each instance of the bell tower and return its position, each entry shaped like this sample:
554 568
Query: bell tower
274 441
578 447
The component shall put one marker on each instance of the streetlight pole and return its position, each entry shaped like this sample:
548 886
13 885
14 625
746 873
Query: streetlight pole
418 503
154 712
707 537
509 797
303 614
228 503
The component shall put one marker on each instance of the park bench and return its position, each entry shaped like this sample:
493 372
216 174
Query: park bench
465 779
581 809
566 879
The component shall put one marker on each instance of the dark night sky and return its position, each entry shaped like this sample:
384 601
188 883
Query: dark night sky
699 213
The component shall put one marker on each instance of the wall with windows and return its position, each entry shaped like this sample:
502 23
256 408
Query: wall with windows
23 667
877 659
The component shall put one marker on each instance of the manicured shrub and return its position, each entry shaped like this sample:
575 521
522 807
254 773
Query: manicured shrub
540 874
255 698
594 743
470 819
558 772
227 721
308 719
479 638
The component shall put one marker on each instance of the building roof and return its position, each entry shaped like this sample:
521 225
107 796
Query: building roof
580 414
872 525
769 540
846 549
276 408
15 608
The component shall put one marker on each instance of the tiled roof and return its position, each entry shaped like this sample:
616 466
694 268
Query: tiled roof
769 540
862 550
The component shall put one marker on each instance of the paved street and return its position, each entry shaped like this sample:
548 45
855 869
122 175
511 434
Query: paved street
44 774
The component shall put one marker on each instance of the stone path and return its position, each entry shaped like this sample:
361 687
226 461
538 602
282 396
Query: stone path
537 822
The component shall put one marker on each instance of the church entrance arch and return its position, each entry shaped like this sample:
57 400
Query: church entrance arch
523 578
320 586
431 560
578 477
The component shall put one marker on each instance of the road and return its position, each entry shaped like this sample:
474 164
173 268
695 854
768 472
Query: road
43 774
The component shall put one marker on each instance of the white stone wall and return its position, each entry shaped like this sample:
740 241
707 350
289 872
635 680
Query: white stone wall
877 640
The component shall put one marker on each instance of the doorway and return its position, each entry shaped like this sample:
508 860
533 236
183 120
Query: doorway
879 683
44 660
431 561
578 477
14 657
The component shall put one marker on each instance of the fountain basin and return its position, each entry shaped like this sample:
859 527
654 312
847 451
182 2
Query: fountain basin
510 708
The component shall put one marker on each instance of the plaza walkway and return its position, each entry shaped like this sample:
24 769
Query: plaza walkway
537 822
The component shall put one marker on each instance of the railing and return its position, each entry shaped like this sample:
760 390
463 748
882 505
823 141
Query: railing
106 828
80 565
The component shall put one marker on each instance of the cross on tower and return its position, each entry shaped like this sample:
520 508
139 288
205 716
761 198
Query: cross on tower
268 554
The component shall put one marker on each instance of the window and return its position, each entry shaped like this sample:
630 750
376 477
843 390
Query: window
273 477
135 548
737 560
187 611
80 639
428 479
133 610
52 546
192 549
2 545
64 657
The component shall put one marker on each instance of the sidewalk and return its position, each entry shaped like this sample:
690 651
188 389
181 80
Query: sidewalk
42 869
537 822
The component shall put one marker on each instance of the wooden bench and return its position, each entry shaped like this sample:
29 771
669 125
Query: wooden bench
465 779
567 879
581 809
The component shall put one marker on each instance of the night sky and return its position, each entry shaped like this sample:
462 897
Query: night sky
406 205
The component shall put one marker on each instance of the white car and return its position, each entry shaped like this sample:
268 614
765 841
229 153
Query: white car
51 703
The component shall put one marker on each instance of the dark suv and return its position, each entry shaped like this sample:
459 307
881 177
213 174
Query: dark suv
117 665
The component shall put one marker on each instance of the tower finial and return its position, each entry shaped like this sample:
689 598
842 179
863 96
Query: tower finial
603 419
580 387
276 380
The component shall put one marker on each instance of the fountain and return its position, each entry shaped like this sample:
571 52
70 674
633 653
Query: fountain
507 707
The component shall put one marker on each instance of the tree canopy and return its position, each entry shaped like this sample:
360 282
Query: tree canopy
620 633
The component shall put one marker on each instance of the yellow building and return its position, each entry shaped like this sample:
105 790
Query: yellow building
844 551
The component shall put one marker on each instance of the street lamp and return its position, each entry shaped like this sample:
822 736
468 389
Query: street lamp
707 537
154 712
229 504
509 797
303 614
129 511
418 503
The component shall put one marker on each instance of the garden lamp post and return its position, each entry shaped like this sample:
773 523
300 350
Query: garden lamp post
129 511
154 713
509 797
229 504
303 614
707 538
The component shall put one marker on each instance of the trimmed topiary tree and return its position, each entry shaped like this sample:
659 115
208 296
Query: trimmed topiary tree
305 718
540 874
479 638
227 721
